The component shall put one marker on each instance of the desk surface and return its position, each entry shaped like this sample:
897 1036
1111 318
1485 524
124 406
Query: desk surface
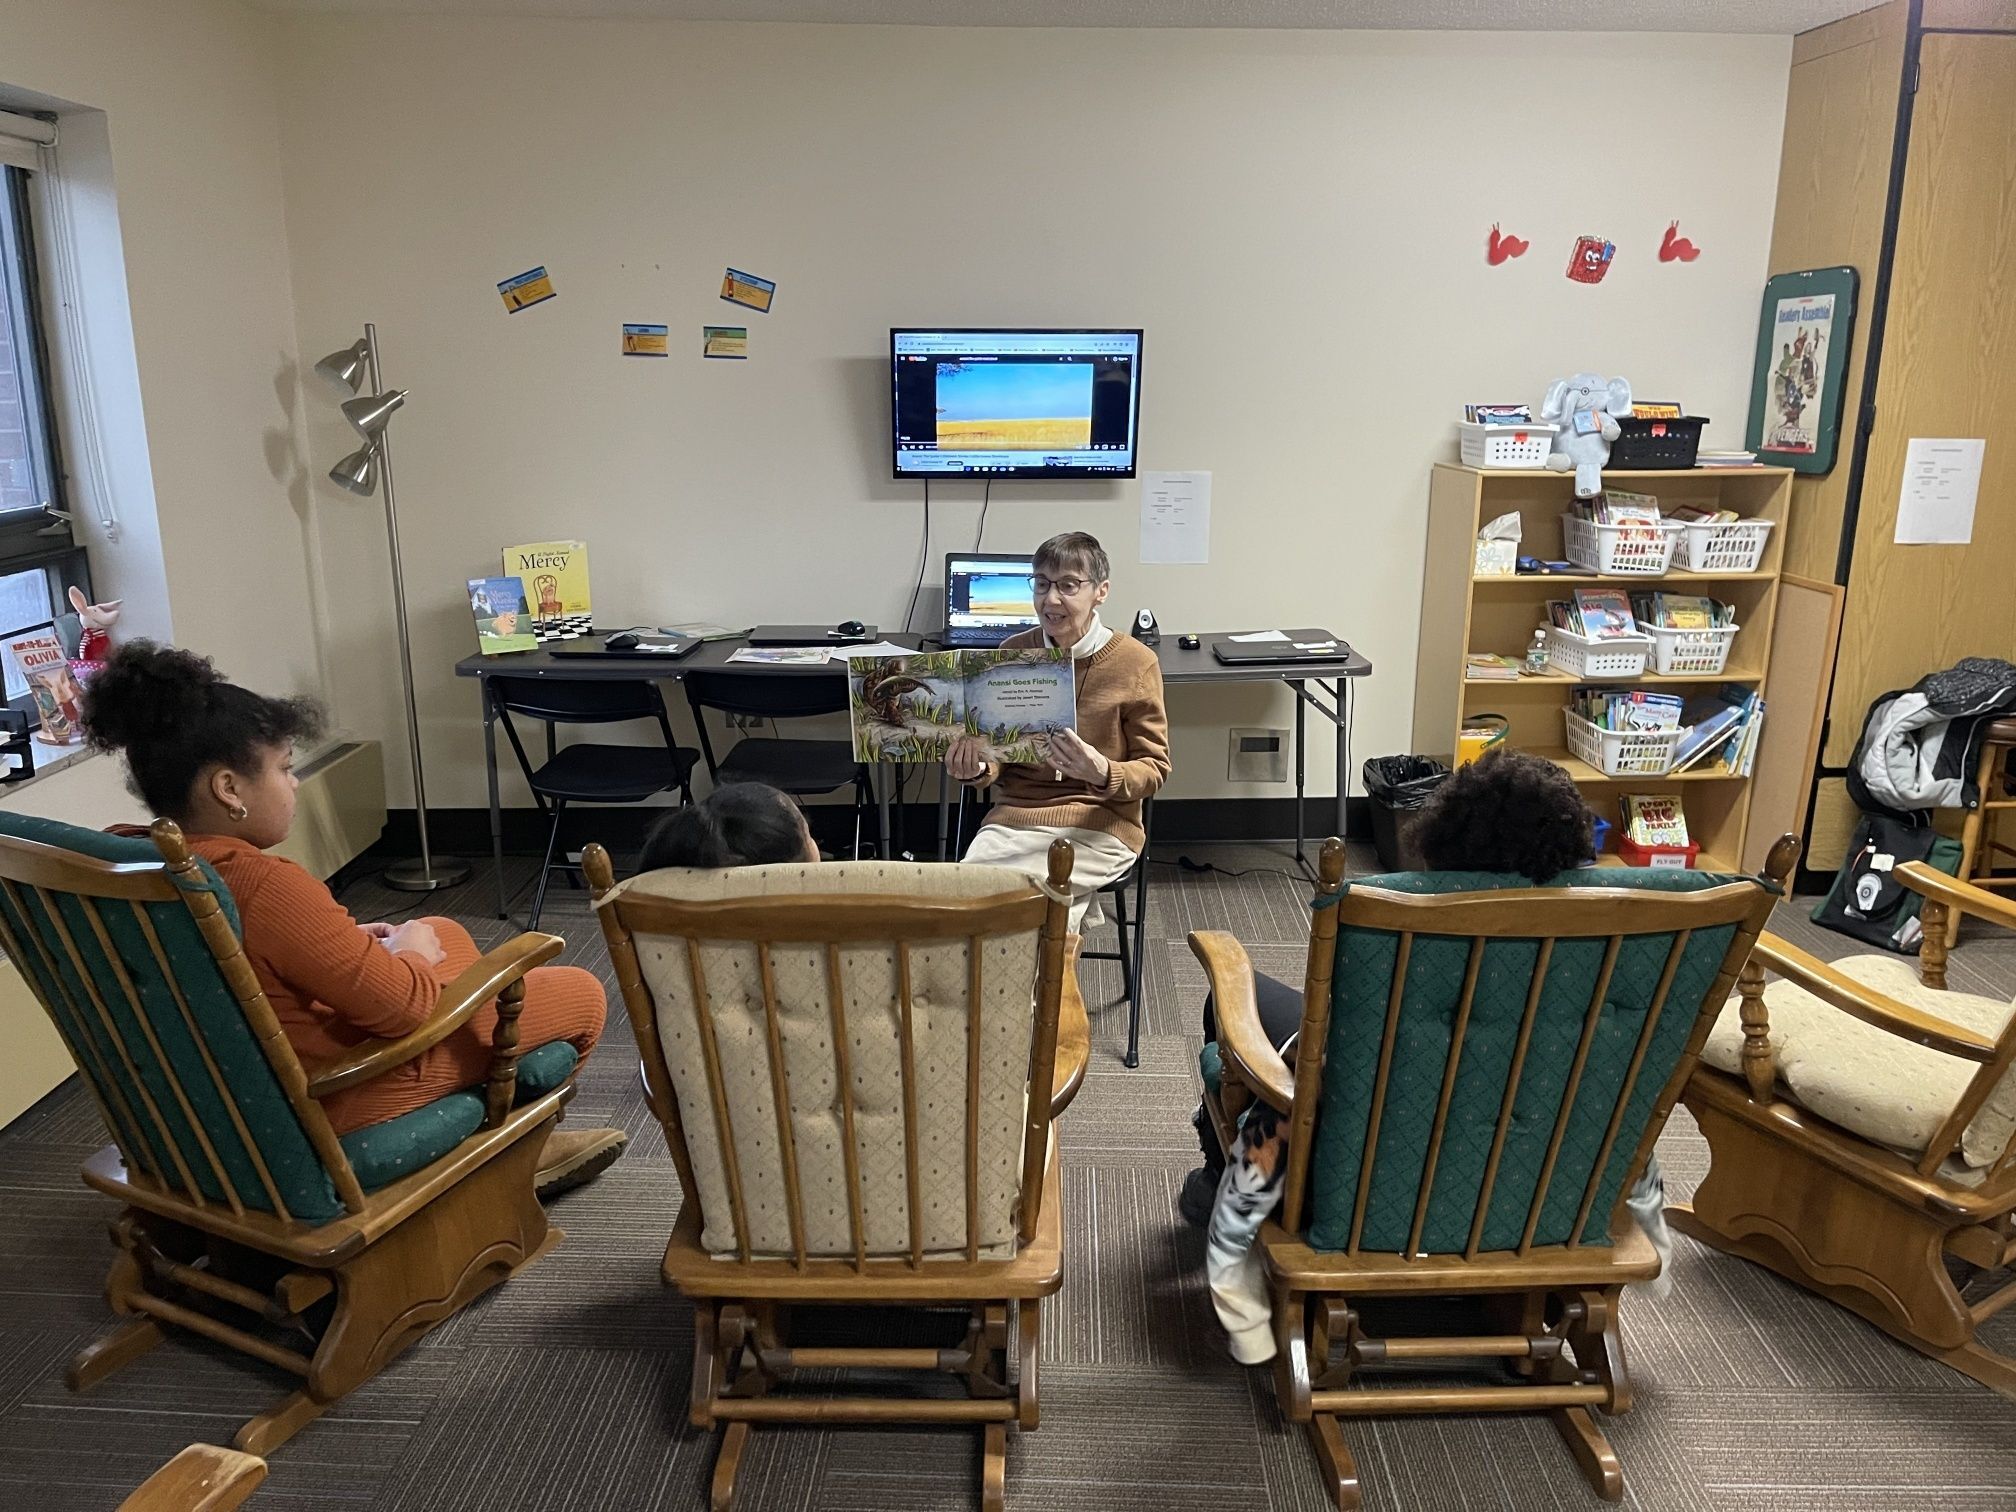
1178 665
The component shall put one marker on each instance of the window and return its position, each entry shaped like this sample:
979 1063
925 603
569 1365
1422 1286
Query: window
39 561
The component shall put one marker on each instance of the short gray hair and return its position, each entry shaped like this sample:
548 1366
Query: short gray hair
1077 550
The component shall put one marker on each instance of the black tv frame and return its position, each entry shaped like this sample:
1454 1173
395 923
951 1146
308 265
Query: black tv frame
1030 474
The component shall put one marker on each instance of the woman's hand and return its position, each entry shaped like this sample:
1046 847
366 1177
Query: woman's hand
417 937
377 931
1072 757
963 759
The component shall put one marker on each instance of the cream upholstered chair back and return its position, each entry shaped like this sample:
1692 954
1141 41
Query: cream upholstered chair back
842 1054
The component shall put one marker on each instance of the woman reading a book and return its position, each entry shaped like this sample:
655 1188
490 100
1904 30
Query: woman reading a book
219 761
1091 791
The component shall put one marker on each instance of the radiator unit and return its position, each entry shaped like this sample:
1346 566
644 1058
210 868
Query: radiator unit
340 811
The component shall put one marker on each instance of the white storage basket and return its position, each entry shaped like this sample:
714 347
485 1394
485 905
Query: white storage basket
1512 446
1733 546
1621 753
1689 653
1619 550
1586 657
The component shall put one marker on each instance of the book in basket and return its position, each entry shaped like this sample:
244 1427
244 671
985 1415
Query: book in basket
46 669
911 708
555 574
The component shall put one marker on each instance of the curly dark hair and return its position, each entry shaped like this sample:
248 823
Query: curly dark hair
743 824
1507 812
174 717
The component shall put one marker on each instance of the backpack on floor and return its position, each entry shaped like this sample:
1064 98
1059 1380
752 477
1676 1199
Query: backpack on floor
1867 901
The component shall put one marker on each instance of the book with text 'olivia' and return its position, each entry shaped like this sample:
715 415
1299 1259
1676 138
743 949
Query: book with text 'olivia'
555 574
910 708
46 669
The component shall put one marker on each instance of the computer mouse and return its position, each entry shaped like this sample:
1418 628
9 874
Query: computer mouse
850 627
625 640
1188 642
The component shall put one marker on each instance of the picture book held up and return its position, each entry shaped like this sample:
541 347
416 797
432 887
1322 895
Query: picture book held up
911 708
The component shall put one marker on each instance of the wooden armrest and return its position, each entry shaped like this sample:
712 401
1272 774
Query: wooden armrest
1873 1009
1074 1037
460 999
1242 1043
202 1478
1940 888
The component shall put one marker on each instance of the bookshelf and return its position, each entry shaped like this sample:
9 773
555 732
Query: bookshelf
1462 614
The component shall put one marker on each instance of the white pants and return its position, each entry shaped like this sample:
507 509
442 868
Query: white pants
1096 859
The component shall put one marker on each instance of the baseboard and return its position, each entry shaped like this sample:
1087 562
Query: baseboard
465 832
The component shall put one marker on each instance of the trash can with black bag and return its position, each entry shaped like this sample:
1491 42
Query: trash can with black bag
1399 788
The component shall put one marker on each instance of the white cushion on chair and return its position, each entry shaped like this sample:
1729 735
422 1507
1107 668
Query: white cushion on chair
1869 1082
939 1019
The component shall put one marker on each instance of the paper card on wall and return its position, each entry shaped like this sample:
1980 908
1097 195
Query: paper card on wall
1941 481
748 289
645 341
526 290
1176 517
724 341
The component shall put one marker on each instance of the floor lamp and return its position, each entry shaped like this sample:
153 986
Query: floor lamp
359 472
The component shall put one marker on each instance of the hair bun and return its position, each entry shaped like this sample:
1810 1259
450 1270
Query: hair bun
144 690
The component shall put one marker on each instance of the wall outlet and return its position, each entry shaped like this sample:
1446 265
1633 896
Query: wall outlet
1256 755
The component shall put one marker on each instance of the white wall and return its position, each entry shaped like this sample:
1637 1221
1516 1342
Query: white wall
1298 221
176 103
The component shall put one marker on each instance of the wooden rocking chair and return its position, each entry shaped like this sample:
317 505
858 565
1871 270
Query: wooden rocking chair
240 1202
1859 1131
856 1067
1480 1075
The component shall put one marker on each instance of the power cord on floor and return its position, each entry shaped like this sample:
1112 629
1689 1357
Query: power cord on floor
1198 868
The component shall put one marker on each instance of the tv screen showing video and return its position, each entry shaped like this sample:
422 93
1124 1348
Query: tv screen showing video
1015 404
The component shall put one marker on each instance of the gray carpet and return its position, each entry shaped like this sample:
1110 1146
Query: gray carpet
566 1389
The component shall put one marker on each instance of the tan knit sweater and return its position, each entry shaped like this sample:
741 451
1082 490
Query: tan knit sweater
1121 716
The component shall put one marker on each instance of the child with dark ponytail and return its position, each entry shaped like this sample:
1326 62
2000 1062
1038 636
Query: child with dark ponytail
218 759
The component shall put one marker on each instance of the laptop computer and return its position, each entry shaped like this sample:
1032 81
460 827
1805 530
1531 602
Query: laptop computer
812 635
1300 646
986 597
667 647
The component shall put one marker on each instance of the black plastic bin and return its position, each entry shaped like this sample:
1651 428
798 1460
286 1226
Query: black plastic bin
1654 444
1399 788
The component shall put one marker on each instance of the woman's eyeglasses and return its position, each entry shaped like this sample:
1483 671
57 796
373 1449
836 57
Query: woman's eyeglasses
1040 587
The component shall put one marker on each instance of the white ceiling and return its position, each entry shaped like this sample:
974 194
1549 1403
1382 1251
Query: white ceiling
1767 16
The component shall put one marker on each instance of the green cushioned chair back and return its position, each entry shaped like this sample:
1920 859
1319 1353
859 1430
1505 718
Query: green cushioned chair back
183 1079
1425 1044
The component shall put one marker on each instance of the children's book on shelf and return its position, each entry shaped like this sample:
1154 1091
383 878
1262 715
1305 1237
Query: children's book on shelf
555 574
1482 666
911 708
1682 611
503 621
1690 514
1596 613
45 667
1627 709
1498 414
1653 818
1655 409
1724 725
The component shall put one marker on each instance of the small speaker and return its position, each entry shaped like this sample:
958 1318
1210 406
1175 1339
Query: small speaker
1146 630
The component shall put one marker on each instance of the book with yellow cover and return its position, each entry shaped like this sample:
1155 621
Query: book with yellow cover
555 574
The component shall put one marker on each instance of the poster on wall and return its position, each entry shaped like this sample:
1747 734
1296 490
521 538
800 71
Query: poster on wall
1802 356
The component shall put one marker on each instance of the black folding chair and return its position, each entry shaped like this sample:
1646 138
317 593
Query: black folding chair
1131 928
587 772
798 767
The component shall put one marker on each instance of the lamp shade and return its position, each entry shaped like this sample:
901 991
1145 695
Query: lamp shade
369 412
345 369
357 472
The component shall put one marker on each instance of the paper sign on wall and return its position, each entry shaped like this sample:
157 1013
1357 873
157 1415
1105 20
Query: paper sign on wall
644 341
1175 517
1942 478
524 290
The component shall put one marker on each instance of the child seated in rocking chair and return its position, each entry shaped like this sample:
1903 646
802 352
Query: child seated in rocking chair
1508 812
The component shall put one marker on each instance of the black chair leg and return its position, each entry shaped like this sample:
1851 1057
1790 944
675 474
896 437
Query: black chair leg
546 865
1130 978
1140 961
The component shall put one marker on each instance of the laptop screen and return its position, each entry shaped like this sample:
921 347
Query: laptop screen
988 591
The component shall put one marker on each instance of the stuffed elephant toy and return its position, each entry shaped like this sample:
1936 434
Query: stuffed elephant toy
1584 407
